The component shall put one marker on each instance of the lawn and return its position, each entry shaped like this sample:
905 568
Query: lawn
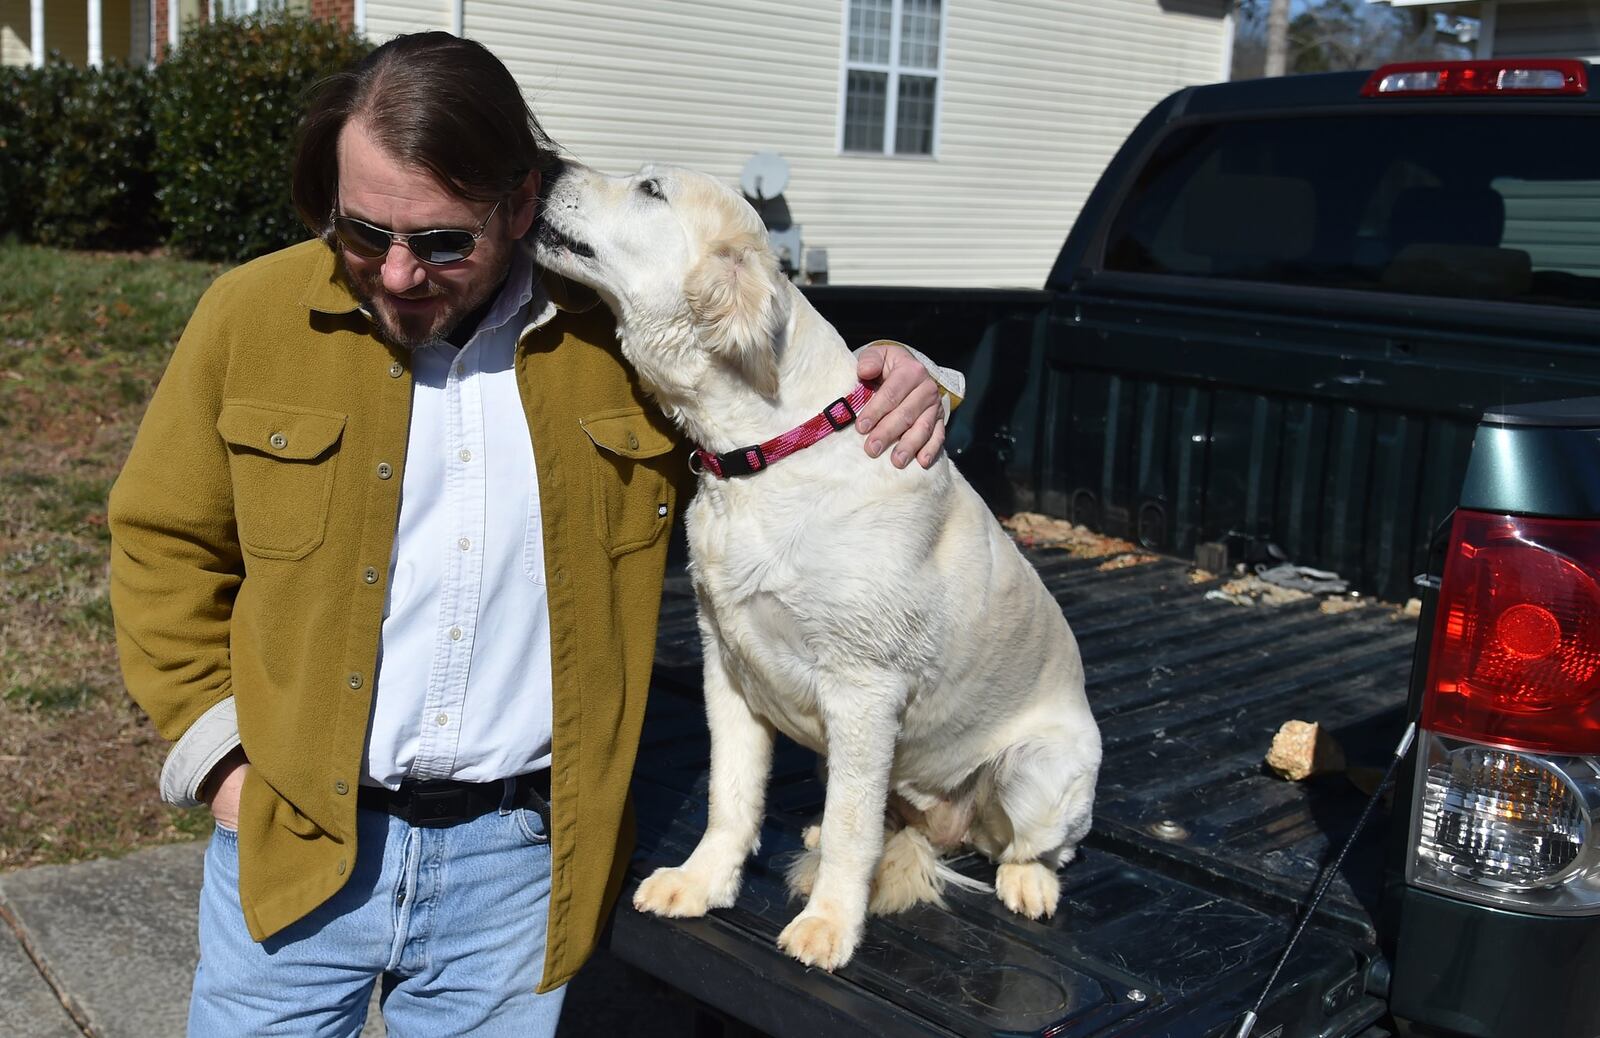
83 340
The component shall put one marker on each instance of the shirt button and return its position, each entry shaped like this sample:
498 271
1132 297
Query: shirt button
370 575
661 510
396 370
466 455
464 544
442 720
340 787
455 634
278 441
355 681
385 470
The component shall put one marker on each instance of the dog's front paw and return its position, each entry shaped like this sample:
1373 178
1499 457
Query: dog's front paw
675 893
819 938
1028 889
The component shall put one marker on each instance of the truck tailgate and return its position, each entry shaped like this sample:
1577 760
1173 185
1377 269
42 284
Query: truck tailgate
1181 898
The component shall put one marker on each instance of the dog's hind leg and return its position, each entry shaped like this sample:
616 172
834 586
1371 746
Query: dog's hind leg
1045 789
801 875
741 757
861 722
908 873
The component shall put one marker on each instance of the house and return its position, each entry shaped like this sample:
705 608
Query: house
928 142
137 32
1528 28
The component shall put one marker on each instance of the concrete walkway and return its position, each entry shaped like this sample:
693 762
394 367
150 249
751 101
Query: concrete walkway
107 949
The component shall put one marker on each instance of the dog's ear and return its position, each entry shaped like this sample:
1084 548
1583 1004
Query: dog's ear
741 306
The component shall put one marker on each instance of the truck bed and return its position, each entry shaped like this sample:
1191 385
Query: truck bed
1182 896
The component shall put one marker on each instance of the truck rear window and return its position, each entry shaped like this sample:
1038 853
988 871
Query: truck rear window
1495 206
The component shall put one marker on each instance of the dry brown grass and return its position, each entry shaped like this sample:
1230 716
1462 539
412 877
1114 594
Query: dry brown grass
83 339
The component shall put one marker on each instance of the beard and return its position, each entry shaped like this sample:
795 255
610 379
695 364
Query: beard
411 331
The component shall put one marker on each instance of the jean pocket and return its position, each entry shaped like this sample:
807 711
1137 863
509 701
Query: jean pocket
530 824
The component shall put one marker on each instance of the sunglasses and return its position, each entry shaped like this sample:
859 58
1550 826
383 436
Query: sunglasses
435 248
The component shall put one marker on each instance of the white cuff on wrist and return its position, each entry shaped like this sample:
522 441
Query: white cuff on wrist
212 737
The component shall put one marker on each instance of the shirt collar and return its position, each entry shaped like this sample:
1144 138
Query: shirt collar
326 291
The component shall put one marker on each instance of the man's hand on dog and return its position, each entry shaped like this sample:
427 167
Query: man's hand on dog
904 410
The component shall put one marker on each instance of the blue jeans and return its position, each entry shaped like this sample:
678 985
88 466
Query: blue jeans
453 920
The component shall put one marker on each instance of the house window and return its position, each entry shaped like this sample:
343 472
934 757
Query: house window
240 8
891 80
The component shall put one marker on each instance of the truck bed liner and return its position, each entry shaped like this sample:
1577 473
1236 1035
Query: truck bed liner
1181 897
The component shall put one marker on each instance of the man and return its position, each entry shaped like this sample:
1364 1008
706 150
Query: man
386 561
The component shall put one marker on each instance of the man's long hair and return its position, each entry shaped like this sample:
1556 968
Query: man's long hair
430 100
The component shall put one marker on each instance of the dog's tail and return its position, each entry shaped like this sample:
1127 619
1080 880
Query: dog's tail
909 873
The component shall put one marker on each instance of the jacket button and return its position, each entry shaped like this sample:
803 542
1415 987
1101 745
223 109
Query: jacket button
340 787
633 442
278 441
396 370
369 575
385 470
661 510
340 867
355 681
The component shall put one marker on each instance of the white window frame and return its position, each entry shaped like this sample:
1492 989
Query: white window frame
244 7
891 107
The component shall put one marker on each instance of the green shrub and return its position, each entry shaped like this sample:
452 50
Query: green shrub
224 112
97 190
19 152
76 155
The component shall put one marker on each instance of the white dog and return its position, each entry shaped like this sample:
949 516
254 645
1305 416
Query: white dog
879 616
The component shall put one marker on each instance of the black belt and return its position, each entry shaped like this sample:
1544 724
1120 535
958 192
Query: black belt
440 803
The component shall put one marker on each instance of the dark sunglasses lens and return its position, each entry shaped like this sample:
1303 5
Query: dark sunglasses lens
442 246
363 239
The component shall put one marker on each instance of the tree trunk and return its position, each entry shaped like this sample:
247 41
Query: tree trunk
1277 38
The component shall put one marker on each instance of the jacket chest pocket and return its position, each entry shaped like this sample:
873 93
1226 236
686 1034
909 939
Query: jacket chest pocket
282 460
633 503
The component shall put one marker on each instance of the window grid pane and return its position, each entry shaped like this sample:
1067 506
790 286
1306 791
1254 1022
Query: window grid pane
866 100
914 119
869 30
919 34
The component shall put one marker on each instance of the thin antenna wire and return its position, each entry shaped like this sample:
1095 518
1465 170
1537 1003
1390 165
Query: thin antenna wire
1249 1022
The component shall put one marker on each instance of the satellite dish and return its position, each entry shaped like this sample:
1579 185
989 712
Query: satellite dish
765 176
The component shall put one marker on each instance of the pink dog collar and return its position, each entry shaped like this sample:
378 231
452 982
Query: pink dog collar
741 461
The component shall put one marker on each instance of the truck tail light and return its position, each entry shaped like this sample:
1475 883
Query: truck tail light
1538 77
1509 783
1516 644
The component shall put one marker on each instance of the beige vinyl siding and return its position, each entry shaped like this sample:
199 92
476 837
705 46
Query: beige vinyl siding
1556 223
16 40
389 18
1567 29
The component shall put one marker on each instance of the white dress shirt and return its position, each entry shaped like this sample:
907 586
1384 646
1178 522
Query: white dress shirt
464 686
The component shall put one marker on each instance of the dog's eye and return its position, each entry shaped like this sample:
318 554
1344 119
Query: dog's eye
651 188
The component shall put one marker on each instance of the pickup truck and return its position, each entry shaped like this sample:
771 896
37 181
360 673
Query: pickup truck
1307 320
